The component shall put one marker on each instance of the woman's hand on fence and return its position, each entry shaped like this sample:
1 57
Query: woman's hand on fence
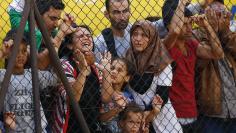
66 24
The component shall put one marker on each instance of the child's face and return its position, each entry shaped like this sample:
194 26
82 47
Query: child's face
133 123
119 72
21 57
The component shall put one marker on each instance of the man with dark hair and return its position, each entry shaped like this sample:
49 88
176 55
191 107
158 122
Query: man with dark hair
51 13
116 38
184 49
216 97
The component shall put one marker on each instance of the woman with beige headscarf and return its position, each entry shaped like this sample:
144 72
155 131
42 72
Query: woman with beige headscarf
153 72
147 52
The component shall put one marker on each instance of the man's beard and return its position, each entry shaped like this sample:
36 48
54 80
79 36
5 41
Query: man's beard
119 25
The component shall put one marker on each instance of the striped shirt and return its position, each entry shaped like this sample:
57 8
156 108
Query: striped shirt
61 113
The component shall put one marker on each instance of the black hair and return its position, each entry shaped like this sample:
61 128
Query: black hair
11 34
129 66
107 3
131 107
45 5
168 11
130 70
221 1
153 18
68 40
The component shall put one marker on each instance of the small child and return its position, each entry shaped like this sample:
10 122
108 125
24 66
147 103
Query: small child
115 93
134 120
130 119
18 105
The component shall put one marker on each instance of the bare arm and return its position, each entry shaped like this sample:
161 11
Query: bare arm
107 89
176 25
227 36
5 49
64 29
85 70
78 85
104 117
213 49
10 120
43 59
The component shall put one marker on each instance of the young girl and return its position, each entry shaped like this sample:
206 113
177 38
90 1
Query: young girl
116 94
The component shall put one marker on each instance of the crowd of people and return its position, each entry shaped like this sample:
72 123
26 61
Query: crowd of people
169 74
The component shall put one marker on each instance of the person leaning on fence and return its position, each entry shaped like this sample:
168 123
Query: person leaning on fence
216 97
51 13
150 58
78 60
184 51
18 105
130 119
115 94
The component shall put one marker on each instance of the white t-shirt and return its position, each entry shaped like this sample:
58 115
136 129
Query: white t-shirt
19 98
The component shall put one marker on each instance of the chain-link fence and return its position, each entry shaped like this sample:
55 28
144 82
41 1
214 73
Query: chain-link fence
135 66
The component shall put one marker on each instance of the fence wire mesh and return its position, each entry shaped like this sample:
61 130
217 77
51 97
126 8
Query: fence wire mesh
165 66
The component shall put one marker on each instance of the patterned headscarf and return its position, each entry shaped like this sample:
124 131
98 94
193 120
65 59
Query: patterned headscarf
155 57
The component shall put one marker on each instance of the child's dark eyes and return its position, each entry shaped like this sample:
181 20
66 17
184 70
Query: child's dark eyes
112 67
119 70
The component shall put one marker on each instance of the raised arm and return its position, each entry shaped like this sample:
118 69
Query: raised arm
5 49
226 36
107 89
64 29
213 49
78 85
176 24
